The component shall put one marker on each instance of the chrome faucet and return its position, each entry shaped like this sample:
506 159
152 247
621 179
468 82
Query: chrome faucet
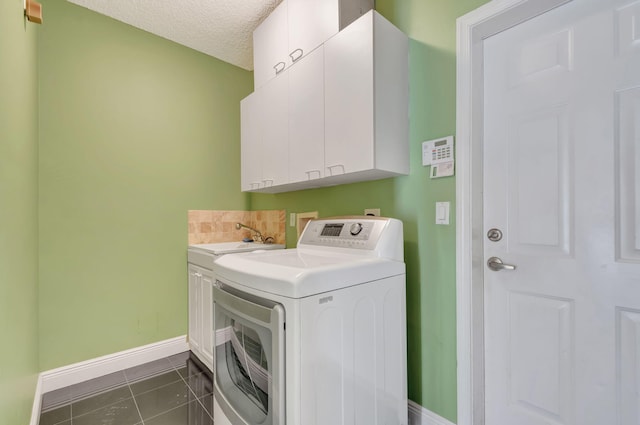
257 237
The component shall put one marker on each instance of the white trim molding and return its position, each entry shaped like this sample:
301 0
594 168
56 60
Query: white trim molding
79 372
472 29
418 415
61 377
37 403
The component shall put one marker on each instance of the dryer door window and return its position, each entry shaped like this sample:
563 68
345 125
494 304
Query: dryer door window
249 358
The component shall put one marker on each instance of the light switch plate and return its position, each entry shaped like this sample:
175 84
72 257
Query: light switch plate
292 220
442 213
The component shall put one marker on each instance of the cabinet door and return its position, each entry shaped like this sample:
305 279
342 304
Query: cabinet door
311 23
349 135
194 308
275 131
251 141
270 46
206 302
306 118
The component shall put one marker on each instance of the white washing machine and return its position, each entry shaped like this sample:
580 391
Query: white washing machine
200 258
314 335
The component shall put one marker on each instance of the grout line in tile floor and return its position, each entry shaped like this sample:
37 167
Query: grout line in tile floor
126 379
134 402
195 386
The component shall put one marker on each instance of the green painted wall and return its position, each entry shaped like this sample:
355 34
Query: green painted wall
18 213
429 249
134 131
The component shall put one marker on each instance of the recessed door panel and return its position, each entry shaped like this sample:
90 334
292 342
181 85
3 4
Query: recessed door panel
540 182
541 56
628 28
541 356
628 357
628 159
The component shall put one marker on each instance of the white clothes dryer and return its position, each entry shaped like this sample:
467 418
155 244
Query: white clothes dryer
200 258
314 335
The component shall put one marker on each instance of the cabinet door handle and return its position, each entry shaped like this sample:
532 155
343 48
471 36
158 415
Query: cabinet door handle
268 182
312 172
296 54
331 167
279 67
255 185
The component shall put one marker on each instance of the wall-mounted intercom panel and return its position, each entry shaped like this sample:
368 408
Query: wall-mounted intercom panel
439 154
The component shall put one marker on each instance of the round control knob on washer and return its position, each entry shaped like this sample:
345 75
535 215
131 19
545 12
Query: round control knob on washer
355 229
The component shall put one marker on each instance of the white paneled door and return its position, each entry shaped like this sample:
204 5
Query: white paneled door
562 205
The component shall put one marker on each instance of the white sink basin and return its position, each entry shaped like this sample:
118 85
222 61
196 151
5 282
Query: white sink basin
230 247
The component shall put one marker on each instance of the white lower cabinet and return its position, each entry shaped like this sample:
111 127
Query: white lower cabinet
201 313
338 115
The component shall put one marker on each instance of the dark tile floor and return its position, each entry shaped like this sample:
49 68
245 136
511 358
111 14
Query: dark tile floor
176 390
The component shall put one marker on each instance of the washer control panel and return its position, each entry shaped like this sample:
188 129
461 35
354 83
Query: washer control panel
353 232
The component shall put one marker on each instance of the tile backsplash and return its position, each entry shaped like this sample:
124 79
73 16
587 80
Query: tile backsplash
219 226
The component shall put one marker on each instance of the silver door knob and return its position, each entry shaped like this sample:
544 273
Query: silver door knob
496 265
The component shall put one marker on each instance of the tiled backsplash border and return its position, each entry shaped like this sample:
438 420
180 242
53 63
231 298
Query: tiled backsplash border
219 226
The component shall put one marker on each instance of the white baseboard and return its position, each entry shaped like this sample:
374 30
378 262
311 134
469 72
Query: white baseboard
418 415
37 403
79 372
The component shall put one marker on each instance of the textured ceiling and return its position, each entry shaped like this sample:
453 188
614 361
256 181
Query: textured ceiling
219 28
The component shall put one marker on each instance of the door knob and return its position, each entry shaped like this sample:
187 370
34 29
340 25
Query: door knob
496 265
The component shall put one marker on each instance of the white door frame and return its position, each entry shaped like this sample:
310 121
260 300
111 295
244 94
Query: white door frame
472 30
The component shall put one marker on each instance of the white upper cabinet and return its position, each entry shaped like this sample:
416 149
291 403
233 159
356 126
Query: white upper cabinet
311 23
297 27
339 114
306 118
366 101
250 125
271 46
264 137
275 133
349 99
